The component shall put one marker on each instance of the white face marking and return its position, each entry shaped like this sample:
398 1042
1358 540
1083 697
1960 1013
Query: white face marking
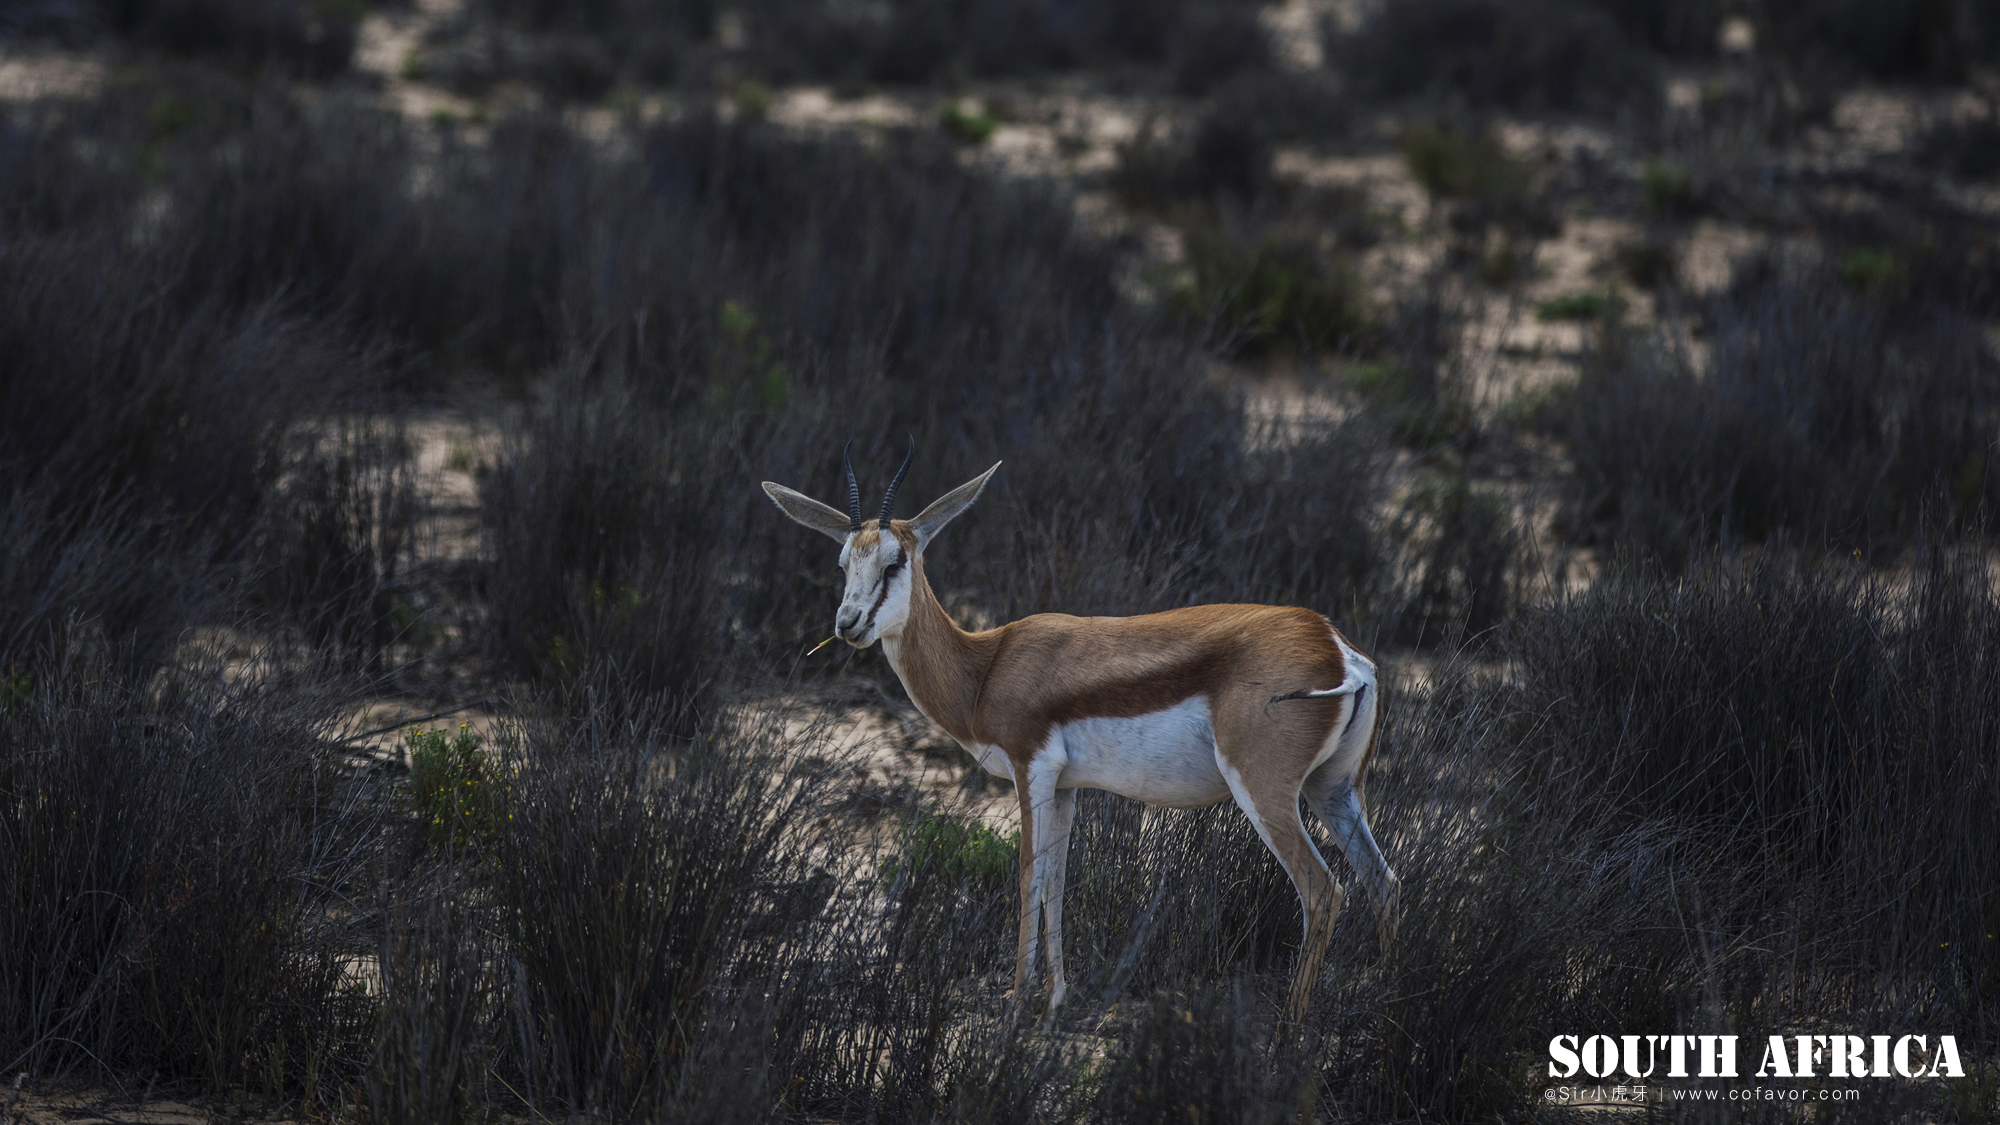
1163 758
877 600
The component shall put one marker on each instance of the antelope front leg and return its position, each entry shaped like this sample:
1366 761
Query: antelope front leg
1045 817
1054 830
1031 886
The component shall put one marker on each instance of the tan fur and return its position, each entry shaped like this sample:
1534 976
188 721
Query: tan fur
1009 686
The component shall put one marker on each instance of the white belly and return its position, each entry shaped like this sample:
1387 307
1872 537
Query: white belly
1165 758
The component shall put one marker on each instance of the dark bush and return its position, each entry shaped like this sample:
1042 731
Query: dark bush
337 542
1199 1057
1215 43
1685 29
175 864
252 194
904 42
309 38
1293 106
1495 207
1652 262
602 543
171 362
1160 898
1969 147
99 562
709 283
1466 546
967 128
923 40
1280 291
1666 189
667 863
1420 387
1837 733
1225 157
1593 54
1485 187
1818 414
1548 55
428 1060
1913 250
138 440
577 52
69 22
1778 756
1229 155
1937 40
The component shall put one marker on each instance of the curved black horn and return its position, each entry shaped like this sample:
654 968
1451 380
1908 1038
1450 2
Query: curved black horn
853 489
889 499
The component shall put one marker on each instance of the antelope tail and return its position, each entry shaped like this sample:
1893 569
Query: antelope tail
1353 685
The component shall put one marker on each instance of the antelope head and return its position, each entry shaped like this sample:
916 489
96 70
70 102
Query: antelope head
881 557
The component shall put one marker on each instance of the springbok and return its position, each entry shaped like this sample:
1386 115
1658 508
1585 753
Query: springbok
1184 708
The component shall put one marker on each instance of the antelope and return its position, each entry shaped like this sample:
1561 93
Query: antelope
1263 704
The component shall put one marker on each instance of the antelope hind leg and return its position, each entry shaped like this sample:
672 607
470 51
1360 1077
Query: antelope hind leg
1338 802
1274 812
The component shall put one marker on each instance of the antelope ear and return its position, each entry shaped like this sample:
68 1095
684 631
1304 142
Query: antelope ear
949 507
810 512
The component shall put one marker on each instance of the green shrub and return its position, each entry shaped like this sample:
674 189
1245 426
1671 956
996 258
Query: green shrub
1277 291
1581 306
1487 191
954 848
452 788
1420 414
752 100
1501 262
971 127
1649 263
1667 187
747 357
1871 271
1451 165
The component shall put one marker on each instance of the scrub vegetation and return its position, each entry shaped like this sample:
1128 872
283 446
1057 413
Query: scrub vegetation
1689 652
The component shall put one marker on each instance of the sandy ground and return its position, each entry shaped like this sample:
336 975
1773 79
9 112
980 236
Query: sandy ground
92 1104
26 75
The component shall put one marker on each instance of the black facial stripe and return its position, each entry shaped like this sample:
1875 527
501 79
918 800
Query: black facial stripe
882 598
879 600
